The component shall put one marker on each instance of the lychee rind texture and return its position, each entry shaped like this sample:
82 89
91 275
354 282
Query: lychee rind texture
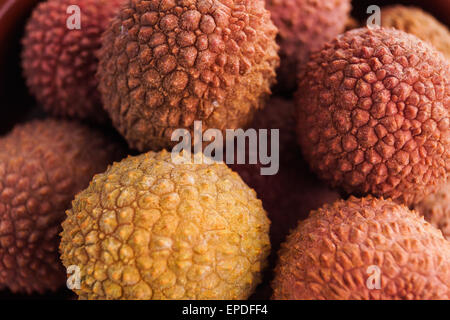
304 26
436 210
60 63
151 229
364 249
419 23
373 115
165 64
43 164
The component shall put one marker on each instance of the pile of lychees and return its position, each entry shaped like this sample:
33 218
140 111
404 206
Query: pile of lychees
358 119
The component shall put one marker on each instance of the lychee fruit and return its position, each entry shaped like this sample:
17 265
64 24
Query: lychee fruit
371 249
43 164
153 228
166 64
59 59
436 209
419 23
373 115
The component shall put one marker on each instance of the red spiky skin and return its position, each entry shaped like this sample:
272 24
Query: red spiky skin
373 115
59 64
165 64
369 248
43 164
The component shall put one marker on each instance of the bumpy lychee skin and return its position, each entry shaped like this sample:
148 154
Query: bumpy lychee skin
59 63
349 249
165 64
149 228
304 26
436 209
43 164
373 114
419 23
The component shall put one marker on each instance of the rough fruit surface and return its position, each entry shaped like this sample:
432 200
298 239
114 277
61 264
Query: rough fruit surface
151 229
165 64
419 23
43 164
334 253
304 26
373 114
60 63
436 210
